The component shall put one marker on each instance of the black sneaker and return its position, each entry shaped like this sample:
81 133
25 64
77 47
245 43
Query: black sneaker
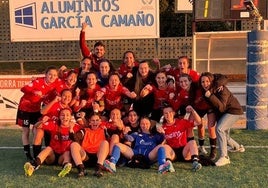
82 173
30 159
98 173
98 170
213 154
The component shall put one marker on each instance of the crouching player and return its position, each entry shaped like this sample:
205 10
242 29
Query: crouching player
59 149
145 144
175 131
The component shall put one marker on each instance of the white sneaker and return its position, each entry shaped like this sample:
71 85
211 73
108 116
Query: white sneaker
202 150
241 149
171 167
109 166
164 167
223 161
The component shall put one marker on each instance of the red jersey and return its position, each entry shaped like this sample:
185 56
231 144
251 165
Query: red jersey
176 73
60 138
89 95
54 112
200 102
161 96
92 139
112 99
182 98
30 102
176 134
112 129
60 86
123 70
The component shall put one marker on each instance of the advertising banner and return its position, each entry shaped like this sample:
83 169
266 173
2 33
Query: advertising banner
10 95
33 20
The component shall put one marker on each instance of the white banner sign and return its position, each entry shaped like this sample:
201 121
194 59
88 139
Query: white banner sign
10 95
33 20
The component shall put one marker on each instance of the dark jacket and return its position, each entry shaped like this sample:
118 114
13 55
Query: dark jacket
223 101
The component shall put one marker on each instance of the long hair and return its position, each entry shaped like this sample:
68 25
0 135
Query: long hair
139 83
210 77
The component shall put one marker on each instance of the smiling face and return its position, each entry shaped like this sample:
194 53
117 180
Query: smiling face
94 122
132 117
65 117
145 125
66 97
129 59
85 65
51 76
71 79
185 83
99 51
115 115
104 68
168 113
91 80
205 82
144 69
114 81
161 79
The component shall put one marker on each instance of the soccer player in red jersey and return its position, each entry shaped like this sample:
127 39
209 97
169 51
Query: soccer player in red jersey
50 111
85 67
30 104
65 83
161 94
113 92
184 67
59 149
86 103
175 131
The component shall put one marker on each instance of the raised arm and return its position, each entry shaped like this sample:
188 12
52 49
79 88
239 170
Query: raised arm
83 45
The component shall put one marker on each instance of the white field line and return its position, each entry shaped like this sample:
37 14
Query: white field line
14 147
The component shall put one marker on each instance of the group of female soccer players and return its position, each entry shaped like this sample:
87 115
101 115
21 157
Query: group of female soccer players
96 116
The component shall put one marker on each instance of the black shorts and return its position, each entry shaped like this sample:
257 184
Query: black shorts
202 113
179 154
91 160
57 157
25 119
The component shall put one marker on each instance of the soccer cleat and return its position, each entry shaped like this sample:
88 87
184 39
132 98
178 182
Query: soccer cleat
98 170
202 150
109 166
98 173
223 161
164 167
66 169
81 173
171 167
196 166
28 169
241 149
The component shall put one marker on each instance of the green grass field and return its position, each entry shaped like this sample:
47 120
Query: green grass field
249 169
